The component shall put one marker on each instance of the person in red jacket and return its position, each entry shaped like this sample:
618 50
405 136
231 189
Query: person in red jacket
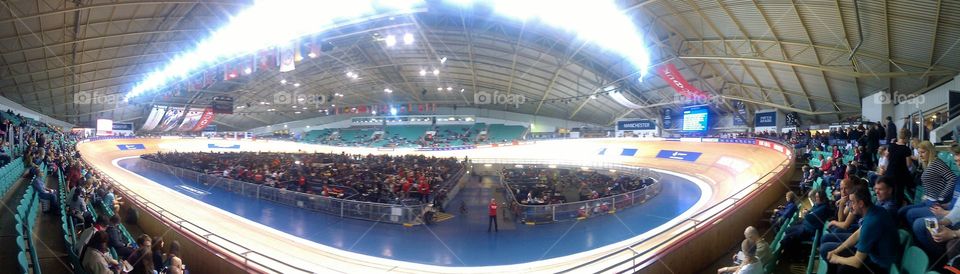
424 191
493 216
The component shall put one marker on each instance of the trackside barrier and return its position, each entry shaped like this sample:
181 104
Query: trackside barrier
380 212
230 250
692 227
581 209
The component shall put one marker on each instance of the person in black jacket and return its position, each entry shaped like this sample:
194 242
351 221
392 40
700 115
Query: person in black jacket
117 241
891 131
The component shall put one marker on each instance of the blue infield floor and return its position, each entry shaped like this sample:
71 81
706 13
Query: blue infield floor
461 241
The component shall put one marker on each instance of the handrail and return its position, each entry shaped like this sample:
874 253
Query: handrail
697 224
168 217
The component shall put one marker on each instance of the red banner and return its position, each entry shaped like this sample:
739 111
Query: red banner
672 76
205 120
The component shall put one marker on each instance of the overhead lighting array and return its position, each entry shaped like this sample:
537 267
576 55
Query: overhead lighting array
273 22
266 23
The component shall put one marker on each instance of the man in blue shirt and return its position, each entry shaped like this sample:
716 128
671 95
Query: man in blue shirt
884 192
812 221
873 247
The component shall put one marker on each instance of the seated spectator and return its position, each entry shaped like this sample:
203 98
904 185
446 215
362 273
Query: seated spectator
142 258
78 208
884 192
784 212
812 221
171 261
116 239
750 264
847 218
873 247
938 184
87 234
157 252
95 258
44 192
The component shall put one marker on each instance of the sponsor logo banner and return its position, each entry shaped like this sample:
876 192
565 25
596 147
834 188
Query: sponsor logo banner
131 147
679 155
643 124
205 120
765 119
672 76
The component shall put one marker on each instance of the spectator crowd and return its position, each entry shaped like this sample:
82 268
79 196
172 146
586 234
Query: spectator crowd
372 178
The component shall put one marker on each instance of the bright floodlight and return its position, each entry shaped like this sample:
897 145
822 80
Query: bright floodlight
247 71
388 90
277 22
423 72
390 40
599 22
296 84
283 81
439 89
393 111
436 72
449 88
266 23
407 38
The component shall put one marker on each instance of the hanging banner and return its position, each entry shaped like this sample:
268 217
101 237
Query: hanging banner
739 120
765 119
672 76
190 119
205 120
154 117
287 58
171 119
667 118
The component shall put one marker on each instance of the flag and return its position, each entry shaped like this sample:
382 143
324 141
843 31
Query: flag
313 49
298 51
419 107
197 82
362 109
267 59
209 78
672 76
287 58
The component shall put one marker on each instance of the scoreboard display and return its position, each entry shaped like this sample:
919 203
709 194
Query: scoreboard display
695 119
222 104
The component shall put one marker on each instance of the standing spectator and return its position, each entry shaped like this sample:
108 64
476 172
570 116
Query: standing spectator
898 166
493 216
891 131
873 247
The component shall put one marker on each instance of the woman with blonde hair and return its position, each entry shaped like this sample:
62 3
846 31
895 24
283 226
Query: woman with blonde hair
938 182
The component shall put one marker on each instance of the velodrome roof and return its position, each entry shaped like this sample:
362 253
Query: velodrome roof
794 55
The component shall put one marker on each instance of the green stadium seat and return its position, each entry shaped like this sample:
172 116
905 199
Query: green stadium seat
914 261
22 262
